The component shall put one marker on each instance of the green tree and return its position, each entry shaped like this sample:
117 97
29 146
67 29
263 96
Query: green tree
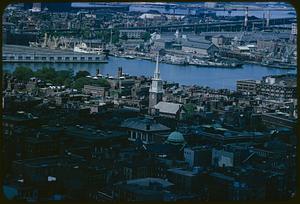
79 83
46 74
98 34
23 73
62 76
115 36
86 34
68 82
108 35
80 74
189 110
146 36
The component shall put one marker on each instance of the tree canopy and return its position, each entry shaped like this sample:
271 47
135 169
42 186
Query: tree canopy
23 73
79 83
61 77
46 74
146 36
81 73
189 110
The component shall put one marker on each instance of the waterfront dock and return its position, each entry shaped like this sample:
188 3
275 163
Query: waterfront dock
18 53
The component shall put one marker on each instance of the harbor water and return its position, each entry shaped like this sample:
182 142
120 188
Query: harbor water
185 75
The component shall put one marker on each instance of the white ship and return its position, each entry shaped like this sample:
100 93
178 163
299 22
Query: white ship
83 48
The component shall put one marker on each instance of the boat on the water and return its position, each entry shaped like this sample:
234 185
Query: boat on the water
129 57
83 48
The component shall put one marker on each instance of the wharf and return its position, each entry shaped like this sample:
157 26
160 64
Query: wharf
17 53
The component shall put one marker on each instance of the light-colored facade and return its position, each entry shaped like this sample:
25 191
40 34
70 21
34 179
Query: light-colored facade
132 33
156 89
222 158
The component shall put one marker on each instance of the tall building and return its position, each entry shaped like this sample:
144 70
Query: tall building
156 89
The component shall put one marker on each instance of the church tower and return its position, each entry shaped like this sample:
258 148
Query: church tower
156 89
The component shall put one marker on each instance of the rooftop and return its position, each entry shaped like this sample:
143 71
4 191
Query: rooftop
19 117
50 161
167 107
197 44
19 49
144 124
91 133
148 181
183 172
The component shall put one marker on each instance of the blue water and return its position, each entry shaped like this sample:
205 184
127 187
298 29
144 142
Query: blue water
185 75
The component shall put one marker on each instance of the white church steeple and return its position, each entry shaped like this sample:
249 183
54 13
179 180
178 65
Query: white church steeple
156 88
156 85
157 72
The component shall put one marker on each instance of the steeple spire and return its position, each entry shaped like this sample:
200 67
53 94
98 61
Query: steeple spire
157 72
156 88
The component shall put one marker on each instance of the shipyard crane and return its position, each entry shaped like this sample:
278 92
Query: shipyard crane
288 52
268 59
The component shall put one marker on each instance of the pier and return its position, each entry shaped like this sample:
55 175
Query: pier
17 53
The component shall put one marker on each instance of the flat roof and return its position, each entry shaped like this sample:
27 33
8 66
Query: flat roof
26 50
50 161
91 133
183 172
148 181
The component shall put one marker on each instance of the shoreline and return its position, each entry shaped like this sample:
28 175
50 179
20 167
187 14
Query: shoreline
207 66
151 60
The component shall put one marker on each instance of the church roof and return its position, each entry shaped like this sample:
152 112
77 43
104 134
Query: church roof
145 124
197 44
167 107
